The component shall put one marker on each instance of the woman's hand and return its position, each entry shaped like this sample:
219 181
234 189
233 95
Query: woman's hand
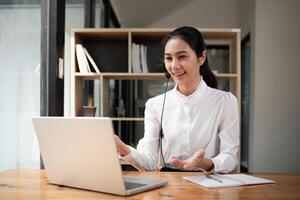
121 146
195 161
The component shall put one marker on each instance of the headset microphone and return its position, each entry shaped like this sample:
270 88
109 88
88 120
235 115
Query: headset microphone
161 134
167 75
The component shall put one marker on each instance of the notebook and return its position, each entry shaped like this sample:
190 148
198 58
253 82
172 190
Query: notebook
227 180
81 153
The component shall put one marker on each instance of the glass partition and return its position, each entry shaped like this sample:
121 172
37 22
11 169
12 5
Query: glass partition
20 31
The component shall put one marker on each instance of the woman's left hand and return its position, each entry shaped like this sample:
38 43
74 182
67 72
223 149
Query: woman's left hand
194 162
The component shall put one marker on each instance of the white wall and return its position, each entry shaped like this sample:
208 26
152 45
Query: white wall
246 17
203 14
276 111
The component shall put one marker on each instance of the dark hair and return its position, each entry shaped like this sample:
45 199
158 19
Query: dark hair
195 40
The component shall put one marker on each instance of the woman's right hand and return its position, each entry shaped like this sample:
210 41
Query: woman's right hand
121 146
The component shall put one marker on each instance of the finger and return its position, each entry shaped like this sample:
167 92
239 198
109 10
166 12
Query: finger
188 166
117 139
195 160
191 165
177 162
121 146
200 154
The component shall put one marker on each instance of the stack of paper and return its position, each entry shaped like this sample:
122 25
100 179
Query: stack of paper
228 180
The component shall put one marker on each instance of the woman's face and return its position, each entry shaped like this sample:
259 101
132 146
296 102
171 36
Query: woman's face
182 63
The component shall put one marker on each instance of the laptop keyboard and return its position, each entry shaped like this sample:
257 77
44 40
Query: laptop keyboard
132 185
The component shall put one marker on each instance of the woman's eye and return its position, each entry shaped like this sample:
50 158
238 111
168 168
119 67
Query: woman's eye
168 58
181 57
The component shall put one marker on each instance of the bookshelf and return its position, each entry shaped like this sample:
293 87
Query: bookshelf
112 51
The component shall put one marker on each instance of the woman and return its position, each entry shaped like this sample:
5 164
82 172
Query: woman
200 123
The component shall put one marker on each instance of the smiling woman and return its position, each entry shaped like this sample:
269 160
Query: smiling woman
201 123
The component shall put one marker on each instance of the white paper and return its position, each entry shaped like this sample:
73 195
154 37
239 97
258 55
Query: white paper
228 180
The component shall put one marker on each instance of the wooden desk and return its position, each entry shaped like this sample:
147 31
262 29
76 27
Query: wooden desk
32 184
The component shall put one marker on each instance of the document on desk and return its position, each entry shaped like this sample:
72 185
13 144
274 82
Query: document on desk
226 180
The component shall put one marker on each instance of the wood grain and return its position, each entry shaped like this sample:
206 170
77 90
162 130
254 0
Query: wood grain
32 184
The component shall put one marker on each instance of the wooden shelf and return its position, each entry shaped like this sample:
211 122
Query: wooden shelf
127 119
87 76
135 76
122 76
112 51
139 76
226 76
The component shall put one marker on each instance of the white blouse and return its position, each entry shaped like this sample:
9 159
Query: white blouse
207 119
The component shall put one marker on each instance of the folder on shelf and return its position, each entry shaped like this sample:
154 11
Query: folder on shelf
81 59
91 61
226 180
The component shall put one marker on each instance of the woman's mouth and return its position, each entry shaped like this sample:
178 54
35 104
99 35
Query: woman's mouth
179 74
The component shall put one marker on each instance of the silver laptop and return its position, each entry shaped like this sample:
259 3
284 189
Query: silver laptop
81 152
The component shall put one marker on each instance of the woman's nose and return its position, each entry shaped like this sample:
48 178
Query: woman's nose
175 64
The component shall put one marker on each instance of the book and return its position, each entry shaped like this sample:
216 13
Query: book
226 180
136 63
144 65
81 59
133 58
91 61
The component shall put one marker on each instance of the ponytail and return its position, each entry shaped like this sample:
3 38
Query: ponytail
208 75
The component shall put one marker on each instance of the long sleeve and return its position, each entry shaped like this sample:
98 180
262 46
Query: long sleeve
229 135
146 153
207 119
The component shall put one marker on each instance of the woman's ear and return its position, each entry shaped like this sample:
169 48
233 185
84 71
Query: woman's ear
203 57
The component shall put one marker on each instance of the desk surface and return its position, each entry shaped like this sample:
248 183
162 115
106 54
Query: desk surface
32 184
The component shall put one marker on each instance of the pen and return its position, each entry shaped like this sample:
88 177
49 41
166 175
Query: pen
208 175
213 178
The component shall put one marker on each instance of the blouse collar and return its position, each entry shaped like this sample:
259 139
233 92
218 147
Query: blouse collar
196 95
